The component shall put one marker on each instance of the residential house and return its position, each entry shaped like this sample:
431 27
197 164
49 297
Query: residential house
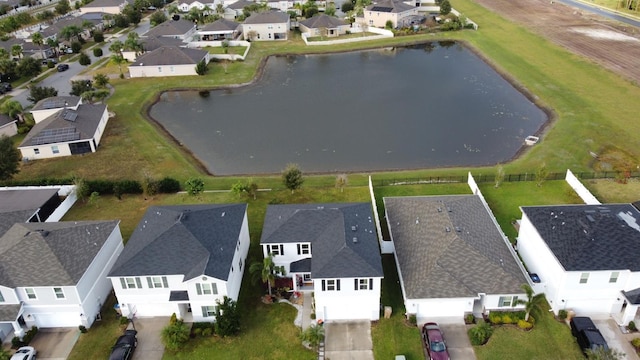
235 9
168 61
66 132
150 44
586 257
55 274
270 25
51 105
399 13
324 25
452 259
29 49
105 6
182 260
221 29
25 206
55 30
332 250
187 5
177 29
280 5
8 126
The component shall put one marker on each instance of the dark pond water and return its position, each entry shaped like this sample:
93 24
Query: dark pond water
432 105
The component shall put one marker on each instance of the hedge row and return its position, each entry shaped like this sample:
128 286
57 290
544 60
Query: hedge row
166 185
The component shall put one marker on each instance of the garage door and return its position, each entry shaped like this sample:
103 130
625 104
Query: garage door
49 320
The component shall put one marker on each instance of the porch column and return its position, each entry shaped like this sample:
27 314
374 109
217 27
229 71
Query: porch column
17 329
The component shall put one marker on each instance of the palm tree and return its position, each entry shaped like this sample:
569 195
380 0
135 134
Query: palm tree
4 54
133 42
532 303
314 335
53 43
37 39
70 32
16 50
13 109
116 51
266 270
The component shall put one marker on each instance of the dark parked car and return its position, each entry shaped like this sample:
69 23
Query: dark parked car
587 334
63 67
125 346
46 62
5 87
434 341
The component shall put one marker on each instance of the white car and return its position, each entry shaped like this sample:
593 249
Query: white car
25 353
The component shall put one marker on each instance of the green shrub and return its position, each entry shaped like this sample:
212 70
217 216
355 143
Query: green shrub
413 319
480 334
469 319
50 64
168 186
175 335
636 343
495 318
562 314
124 320
207 332
525 325
82 328
197 331
173 319
16 343
632 326
506 319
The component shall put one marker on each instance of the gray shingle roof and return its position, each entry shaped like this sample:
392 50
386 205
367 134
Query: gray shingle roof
56 102
330 230
18 206
268 17
6 120
84 125
105 3
240 4
221 25
633 296
9 312
323 20
390 6
590 237
50 254
170 55
470 258
189 240
155 42
171 28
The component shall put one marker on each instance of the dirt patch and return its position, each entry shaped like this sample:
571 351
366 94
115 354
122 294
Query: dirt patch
614 45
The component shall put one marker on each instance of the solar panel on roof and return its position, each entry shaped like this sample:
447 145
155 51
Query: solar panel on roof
51 136
52 104
381 8
70 115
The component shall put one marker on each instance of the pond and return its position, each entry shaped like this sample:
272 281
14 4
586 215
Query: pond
424 106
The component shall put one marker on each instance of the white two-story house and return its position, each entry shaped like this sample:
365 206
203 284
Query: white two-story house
182 260
586 257
331 249
55 274
266 26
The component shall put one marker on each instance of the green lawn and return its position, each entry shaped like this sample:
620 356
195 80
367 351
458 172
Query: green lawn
612 191
230 50
549 339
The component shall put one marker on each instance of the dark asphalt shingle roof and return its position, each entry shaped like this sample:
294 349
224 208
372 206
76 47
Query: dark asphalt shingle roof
240 4
6 120
221 25
18 206
86 120
104 3
50 254
323 20
170 55
171 28
469 259
590 237
179 296
268 17
329 229
390 6
189 240
155 42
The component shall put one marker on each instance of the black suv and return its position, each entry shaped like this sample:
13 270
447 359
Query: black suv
5 87
125 346
587 334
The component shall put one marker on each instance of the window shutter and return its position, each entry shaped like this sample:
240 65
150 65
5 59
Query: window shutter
123 283
199 289
214 288
149 282
139 283
205 310
355 284
281 249
338 284
165 283
299 250
323 285
370 284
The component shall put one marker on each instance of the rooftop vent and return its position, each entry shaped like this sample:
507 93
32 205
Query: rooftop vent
458 229
355 239
439 209
223 214
447 229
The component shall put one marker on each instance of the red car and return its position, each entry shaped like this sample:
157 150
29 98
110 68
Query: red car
434 341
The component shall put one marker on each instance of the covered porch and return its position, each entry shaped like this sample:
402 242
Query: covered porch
300 272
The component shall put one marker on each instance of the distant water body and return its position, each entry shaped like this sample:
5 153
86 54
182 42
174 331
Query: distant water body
425 106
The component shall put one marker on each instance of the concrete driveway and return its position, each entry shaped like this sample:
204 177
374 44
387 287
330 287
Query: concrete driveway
348 340
150 346
616 339
55 343
457 341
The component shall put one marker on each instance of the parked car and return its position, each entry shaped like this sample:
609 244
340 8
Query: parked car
5 88
124 346
46 62
63 67
25 353
587 334
434 341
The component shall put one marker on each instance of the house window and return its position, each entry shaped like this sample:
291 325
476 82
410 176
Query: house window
614 277
240 264
331 285
584 277
59 293
171 69
363 284
504 301
157 282
208 311
131 283
159 69
31 294
304 249
36 151
306 277
275 250
55 150
207 289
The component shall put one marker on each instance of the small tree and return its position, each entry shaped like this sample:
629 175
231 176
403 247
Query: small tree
157 18
78 87
37 93
292 177
499 176
13 109
175 335
63 7
227 317
341 181
84 59
201 67
541 174
532 303
445 7
76 47
97 52
388 25
9 158
28 67
313 335
194 186
100 80
266 270
249 188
